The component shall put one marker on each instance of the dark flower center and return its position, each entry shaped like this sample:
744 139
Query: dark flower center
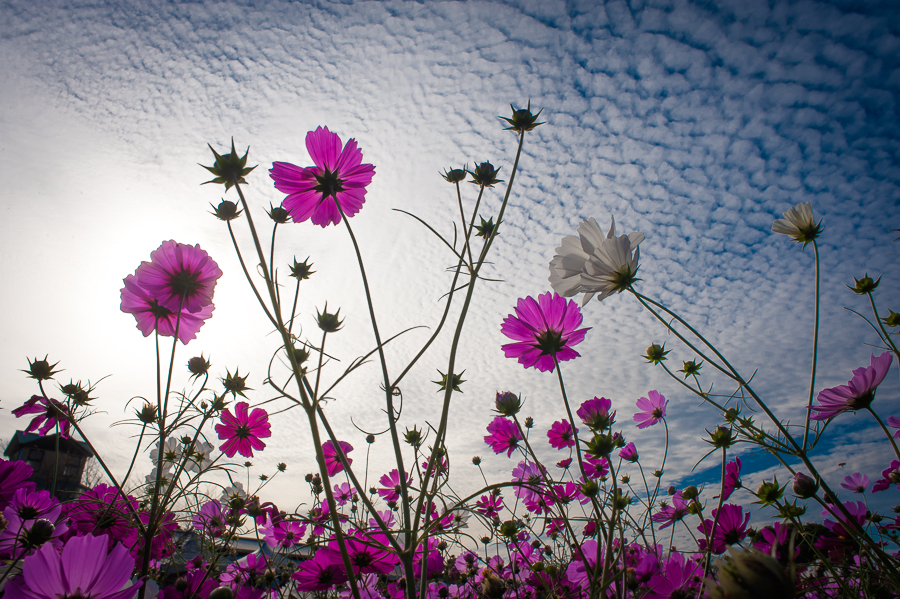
656 413
185 283
160 312
28 512
732 536
242 432
329 183
862 402
362 560
550 342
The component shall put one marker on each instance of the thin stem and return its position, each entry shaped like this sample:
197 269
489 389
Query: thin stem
886 431
812 376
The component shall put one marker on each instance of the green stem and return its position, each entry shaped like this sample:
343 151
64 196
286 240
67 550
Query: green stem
812 376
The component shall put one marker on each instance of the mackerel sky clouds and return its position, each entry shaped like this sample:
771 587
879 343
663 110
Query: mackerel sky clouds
695 123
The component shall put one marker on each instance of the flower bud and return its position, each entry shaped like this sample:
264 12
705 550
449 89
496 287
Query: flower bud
691 368
804 486
413 436
486 228
769 492
485 175
864 285
229 169
600 445
507 403
721 437
281 466
370 439
198 365
40 370
328 322
278 214
791 510
509 529
749 574
235 384
522 119
656 353
671 490
147 414
529 422
226 211
690 492
301 270
40 532
893 320
454 175
590 488
476 460
222 592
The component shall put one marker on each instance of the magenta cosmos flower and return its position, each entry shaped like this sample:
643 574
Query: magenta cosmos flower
542 329
84 569
242 431
856 482
731 528
857 394
179 276
332 461
50 413
889 476
732 478
561 435
504 436
338 177
390 485
150 315
653 408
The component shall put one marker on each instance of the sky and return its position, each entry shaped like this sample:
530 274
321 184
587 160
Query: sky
695 123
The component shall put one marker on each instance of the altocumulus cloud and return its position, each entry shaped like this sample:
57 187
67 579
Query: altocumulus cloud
694 123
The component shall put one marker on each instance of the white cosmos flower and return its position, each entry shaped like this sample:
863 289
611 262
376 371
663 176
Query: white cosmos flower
593 263
171 452
200 458
798 224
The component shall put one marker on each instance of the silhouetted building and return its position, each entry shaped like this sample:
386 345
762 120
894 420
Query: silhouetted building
40 453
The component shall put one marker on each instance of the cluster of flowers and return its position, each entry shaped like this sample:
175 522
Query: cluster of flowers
579 530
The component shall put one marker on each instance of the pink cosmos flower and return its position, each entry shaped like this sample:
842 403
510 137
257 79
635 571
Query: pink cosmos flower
857 511
669 514
84 569
284 533
390 485
731 529
332 461
533 476
150 315
338 177
179 276
343 494
561 435
104 510
242 431
856 482
889 476
629 453
321 572
595 413
13 476
504 436
542 329
595 468
49 414
732 479
857 394
199 584
210 519
489 505
894 422
653 408
367 554
680 580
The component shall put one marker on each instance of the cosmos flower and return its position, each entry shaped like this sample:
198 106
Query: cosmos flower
653 408
669 514
894 422
13 476
179 276
680 579
856 482
592 263
50 413
210 519
561 435
367 554
504 435
285 533
151 316
595 413
85 568
542 329
629 453
343 493
321 572
332 461
104 510
489 505
732 479
390 485
889 476
798 224
337 177
242 431
857 394
731 529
